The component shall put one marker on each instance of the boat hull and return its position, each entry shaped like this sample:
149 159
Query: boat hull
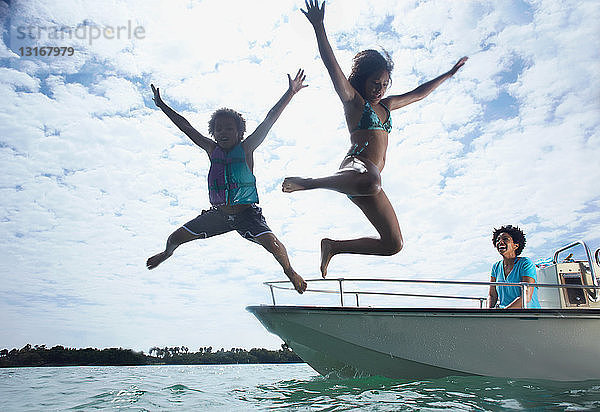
431 343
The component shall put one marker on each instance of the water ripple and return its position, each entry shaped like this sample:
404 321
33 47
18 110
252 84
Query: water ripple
275 387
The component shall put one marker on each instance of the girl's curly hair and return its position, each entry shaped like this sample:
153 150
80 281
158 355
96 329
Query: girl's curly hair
237 117
366 63
517 236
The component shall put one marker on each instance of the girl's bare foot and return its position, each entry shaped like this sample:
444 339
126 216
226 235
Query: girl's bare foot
297 281
157 259
326 255
291 184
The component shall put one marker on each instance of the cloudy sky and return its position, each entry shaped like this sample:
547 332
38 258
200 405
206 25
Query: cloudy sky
95 177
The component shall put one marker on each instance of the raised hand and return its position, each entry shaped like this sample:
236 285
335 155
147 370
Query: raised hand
313 13
458 65
157 100
296 83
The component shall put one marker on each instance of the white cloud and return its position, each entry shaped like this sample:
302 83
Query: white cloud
95 177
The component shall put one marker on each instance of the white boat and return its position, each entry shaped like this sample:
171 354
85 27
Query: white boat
560 341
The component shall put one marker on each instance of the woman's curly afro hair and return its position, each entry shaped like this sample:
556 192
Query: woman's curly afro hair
517 236
366 63
239 120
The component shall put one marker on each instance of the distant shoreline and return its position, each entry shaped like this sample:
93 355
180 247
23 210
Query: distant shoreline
58 356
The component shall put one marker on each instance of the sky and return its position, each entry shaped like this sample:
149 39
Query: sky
95 177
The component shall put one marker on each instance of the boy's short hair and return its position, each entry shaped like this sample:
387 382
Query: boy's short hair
237 117
517 236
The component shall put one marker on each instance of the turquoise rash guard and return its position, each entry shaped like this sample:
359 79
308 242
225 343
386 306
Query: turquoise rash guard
506 294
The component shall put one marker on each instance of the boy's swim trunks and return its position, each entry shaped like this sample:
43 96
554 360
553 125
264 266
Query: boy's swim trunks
249 223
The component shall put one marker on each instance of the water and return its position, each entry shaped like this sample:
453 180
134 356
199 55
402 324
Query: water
294 387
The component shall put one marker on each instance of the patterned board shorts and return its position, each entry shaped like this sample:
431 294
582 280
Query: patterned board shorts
249 223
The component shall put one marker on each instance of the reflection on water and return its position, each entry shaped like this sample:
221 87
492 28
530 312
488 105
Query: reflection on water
274 387
458 393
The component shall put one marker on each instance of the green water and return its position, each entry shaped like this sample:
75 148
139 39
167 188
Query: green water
274 387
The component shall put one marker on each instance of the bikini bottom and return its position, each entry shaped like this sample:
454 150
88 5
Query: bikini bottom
357 164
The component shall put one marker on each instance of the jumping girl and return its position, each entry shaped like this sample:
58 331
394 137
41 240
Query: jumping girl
368 118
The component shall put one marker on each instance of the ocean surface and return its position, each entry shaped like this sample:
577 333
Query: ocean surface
294 387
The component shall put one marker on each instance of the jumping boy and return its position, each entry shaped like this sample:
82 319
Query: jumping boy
231 183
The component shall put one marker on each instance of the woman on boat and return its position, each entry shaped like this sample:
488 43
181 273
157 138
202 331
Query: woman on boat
368 118
509 241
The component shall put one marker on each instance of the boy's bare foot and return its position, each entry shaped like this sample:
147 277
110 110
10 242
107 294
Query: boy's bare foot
157 259
326 255
291 184
297 281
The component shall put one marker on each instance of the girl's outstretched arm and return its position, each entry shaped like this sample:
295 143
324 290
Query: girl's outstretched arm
401 100
315 16
183 125
258 136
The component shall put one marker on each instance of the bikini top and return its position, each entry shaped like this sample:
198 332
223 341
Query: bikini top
370 121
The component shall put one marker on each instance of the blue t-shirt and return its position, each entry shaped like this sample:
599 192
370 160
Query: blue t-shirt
506 294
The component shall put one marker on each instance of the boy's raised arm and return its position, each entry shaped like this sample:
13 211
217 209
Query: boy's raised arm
258 136
183 125
401 100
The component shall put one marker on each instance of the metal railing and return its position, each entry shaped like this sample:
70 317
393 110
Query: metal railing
522 285
587 254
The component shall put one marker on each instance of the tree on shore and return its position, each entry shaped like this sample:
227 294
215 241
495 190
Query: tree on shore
178 355
61 356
